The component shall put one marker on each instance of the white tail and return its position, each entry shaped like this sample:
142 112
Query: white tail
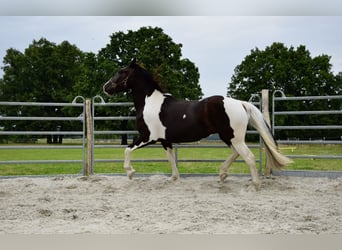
274 159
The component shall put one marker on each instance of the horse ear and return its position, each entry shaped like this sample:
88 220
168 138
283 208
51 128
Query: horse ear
133 62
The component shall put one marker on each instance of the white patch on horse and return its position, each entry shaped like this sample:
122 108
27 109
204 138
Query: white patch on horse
237 116
184 116
151 113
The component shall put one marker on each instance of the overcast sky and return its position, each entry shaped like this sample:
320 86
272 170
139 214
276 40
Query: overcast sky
216 44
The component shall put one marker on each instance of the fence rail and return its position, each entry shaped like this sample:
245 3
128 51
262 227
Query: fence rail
88 160
80 118
102 103
283 98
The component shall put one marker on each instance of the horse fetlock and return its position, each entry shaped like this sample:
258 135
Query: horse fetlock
223 176
130 172
174 177
254 187
268 172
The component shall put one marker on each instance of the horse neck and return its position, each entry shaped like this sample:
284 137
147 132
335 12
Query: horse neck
140 94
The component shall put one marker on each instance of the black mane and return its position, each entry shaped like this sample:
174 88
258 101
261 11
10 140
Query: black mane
150 78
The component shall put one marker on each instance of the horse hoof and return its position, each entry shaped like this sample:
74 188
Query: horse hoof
130 174
254 187
174 177
251 188
269 177
223 176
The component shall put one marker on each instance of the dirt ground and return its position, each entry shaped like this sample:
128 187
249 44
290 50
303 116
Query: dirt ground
155 205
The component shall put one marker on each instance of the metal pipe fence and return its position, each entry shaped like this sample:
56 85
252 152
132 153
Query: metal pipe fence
177 147
42 119
276 100
95 143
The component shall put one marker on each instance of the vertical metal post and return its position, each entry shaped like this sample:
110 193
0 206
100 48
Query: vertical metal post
93 128
84 137
273 106
83 131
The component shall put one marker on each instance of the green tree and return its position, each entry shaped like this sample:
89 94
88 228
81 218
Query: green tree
95 71
49 72
291 70
159 54
296 73
45 72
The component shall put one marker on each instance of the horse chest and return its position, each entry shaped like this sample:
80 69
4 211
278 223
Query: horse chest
151 117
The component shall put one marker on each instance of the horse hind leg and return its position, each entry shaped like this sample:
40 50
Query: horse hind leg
226 138
249 158
225 165
172 160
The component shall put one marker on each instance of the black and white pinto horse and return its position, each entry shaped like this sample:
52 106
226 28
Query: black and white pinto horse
162 118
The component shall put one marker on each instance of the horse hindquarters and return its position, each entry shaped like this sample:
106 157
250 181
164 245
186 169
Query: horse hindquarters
234 133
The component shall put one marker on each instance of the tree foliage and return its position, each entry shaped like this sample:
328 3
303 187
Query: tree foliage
296 73
160 55
45 72
291 70
50 72
157 52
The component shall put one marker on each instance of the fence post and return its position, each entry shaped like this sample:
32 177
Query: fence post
266 115
259 103
265 105
89 165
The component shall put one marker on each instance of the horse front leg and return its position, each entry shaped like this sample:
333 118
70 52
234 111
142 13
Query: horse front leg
225 166
172 159
127 163
128 151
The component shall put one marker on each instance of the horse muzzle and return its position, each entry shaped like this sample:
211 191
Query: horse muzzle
109 88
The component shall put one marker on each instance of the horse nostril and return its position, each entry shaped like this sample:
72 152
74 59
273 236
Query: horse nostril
109 88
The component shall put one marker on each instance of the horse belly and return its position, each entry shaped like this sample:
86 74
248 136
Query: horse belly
185 132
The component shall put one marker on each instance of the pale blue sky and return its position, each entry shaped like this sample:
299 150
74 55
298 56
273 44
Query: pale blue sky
216 44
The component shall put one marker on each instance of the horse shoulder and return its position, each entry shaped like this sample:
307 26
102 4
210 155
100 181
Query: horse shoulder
152 109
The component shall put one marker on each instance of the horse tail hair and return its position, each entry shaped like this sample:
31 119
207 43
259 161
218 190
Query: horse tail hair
274 159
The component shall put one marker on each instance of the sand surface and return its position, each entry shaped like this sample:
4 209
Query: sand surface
155 205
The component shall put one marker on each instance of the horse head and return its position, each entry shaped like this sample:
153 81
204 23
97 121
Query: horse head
119 82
